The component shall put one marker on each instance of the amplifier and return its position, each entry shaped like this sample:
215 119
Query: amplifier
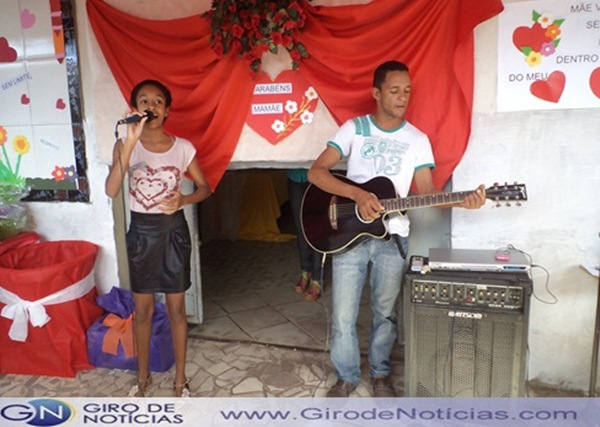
486 294
466 334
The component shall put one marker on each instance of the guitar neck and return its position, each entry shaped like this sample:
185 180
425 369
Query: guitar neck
425 201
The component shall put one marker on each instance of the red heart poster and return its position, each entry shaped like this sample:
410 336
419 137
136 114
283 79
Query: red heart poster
550 89
548 56
281 106
595 82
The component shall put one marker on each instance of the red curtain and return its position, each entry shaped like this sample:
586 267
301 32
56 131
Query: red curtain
211 97
345 43
433 37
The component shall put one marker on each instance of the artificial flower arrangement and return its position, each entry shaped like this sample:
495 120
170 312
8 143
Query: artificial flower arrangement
249 28
541 40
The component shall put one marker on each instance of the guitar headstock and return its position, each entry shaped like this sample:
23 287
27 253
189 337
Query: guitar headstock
505 193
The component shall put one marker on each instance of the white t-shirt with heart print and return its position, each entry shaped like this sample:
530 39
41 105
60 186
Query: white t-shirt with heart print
153 176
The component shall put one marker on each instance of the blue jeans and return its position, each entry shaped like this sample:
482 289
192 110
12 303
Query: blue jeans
381 262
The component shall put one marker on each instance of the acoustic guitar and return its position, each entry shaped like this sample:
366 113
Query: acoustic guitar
331 224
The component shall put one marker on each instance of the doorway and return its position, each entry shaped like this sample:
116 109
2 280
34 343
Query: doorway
247 285
250 264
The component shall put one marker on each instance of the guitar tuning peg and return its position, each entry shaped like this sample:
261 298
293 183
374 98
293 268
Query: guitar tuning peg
498 204
495 184
518 204
508 204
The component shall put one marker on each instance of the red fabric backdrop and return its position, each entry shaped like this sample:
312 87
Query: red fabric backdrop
345 43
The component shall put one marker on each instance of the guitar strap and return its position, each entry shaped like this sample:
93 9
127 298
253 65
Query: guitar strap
398 241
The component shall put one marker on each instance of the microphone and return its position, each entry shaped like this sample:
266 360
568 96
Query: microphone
135 118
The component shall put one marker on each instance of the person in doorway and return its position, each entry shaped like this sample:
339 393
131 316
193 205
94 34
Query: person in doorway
379 144
311 279
158 239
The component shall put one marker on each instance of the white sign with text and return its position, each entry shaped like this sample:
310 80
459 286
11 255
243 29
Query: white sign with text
549 55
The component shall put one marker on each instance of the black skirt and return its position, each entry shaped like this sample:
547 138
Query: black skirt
159 251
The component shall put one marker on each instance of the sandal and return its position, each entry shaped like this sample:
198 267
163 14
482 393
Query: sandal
139 388
182 390
313 292
302 284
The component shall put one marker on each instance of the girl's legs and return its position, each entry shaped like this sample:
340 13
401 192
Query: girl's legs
178 321
144 310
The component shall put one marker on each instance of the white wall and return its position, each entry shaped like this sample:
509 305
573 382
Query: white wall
92 221
556 154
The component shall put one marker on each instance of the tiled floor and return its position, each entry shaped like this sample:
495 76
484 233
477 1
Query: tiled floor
215 369
250 297
259 338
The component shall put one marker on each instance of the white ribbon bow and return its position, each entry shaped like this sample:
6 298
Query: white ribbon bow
20 311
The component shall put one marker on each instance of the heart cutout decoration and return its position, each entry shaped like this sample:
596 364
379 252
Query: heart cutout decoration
27 19
550 89
7 53
595 82
282 105
60 104
25 99
530 37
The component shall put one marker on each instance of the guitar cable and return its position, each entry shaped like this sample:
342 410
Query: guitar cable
324 374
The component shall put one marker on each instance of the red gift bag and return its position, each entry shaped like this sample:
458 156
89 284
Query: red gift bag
48 338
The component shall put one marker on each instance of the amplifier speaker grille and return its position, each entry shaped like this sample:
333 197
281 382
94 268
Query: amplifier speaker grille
464 351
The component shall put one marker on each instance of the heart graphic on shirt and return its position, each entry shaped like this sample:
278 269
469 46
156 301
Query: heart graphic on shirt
27 19
550 89
25 99
150 186
281 106
60 104
595 82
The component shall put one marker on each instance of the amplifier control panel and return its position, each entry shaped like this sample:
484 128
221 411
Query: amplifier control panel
472 295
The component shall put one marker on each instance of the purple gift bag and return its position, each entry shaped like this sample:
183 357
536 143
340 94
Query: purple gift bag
110 338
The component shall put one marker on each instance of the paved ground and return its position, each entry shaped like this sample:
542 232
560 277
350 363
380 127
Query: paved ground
215 369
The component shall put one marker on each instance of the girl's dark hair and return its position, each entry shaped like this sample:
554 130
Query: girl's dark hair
165 90
383 69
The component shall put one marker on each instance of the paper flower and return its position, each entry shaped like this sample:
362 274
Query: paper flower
296 113
21 146
540 40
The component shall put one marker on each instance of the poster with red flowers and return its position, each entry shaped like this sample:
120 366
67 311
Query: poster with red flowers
38 87
549 55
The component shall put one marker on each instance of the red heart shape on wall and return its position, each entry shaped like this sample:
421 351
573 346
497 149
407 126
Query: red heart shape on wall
595 82
24 99
279 107
532 37
27 19
7 53
60 104
550 89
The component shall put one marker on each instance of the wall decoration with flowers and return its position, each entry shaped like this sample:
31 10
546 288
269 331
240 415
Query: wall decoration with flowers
41 125
548 56
540 40
252 27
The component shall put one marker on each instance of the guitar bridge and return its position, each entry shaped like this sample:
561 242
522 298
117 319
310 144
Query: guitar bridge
333 212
